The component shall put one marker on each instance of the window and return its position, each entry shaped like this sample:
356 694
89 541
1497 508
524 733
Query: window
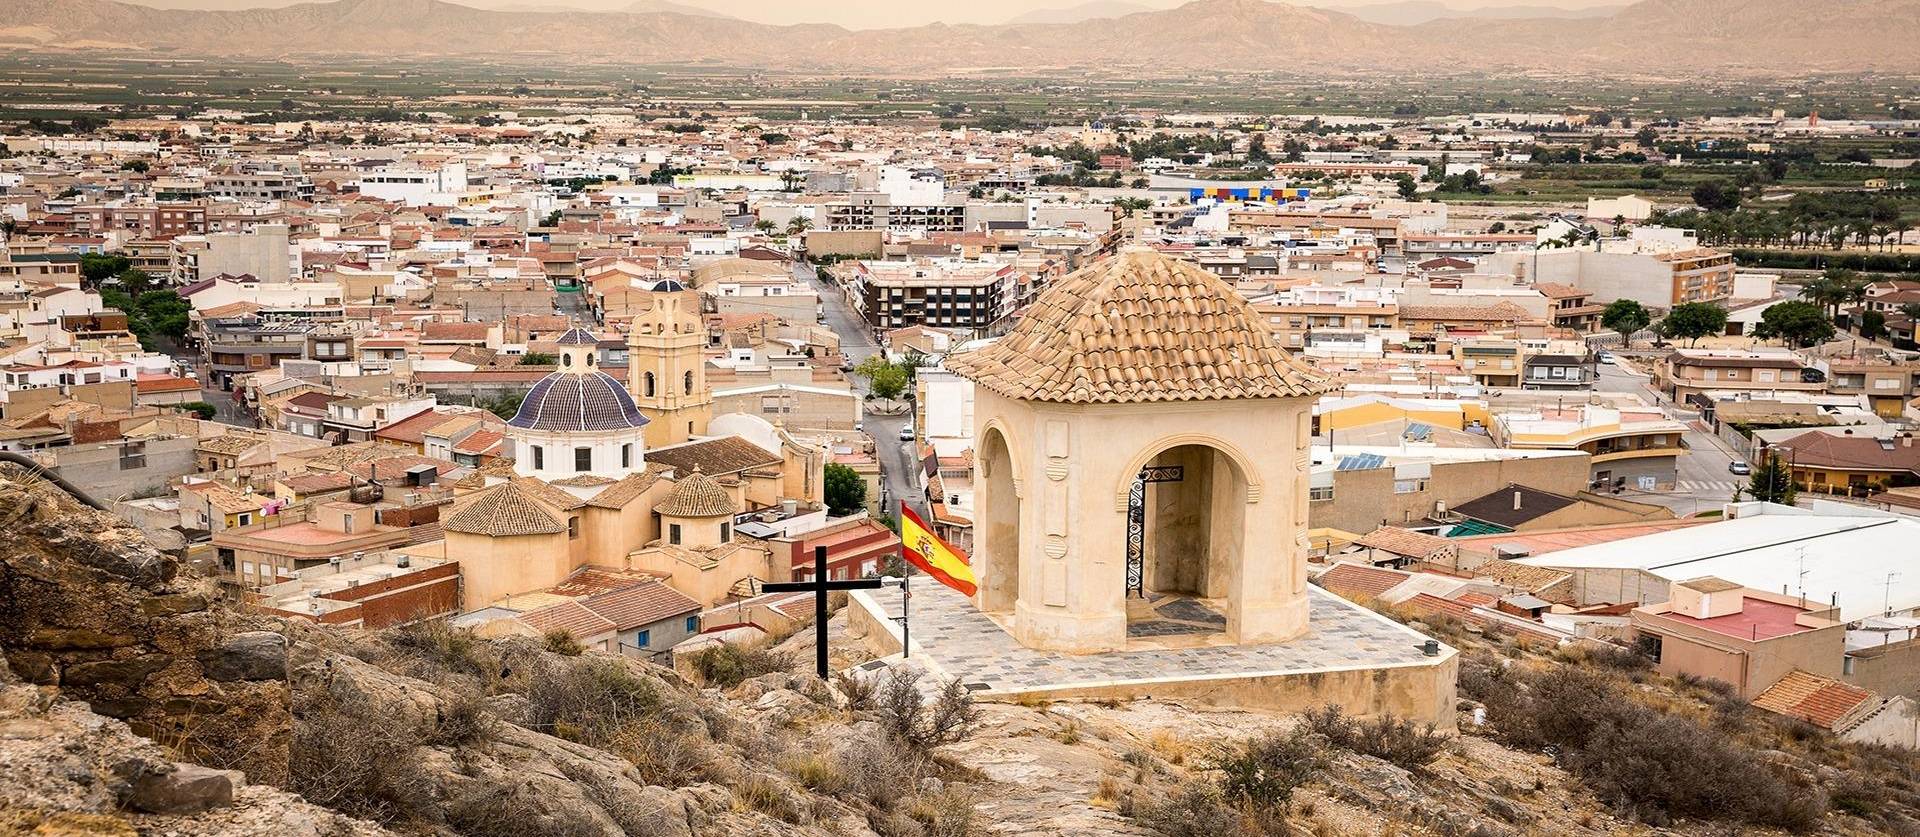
642 639
726 532
647 384
673 533
573 528
689 382
539 458
583 459
1320 492
693 624
245 519
626 455
1409 486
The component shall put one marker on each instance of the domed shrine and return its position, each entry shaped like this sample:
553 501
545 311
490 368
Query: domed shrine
578 419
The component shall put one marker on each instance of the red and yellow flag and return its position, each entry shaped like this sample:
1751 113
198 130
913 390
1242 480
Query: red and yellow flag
924 549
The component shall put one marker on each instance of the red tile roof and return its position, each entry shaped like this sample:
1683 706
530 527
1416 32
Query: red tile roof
1431 605
1821 701
1359 582
641 605
572 617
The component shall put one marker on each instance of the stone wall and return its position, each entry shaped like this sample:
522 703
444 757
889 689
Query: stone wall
93 609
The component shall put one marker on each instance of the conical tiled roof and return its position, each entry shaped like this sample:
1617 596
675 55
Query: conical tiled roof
506 509
1139 327
696 495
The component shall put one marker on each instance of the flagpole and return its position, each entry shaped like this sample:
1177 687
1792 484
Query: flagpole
906 598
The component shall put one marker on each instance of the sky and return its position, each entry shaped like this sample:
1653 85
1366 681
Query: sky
868 14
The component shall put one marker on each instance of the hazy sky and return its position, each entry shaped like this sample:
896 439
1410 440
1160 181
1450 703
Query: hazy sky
869 14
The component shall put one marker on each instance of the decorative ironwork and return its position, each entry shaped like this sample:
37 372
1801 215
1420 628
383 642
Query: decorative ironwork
1137 522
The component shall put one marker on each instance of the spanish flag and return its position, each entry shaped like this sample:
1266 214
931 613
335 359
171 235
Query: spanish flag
924 549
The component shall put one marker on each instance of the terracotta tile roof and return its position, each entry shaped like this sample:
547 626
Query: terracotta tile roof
1431 605
1406 542
642 604
555 497
572 617
592 581
619 494
149 384
1359 582
1522 576
1476 599
479 441
1821 701
1139 327
1497 312
724 455
504 510
696 495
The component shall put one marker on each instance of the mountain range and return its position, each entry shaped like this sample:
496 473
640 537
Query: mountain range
1652 37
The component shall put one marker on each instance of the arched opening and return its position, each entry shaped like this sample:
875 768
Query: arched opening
689 383
647 384
1185 543
996 553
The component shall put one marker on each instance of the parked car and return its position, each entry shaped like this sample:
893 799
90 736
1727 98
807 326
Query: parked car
1606 357
1739 467
906 433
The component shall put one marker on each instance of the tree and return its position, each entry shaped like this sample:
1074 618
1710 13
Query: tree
1625 317
1797 322
1772 481
887 382
1407 187
95 267
1873 325
1694 320
1717 196
798 225
846 492
504 405
205 411
538 359
764 225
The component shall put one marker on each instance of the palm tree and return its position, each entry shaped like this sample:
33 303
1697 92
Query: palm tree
798 225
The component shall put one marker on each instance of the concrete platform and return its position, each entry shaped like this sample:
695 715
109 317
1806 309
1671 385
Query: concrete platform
1355 658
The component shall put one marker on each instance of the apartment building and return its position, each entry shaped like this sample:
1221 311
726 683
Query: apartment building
1888 385
944 293
260 185
1572 309
1689 375
1307 315
1658 268
878 211
235 346
1636 448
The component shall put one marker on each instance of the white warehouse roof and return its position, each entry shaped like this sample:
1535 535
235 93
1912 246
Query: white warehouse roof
1867 564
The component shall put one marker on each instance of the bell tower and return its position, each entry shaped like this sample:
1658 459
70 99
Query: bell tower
667 371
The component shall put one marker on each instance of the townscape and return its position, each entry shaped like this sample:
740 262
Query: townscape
403 441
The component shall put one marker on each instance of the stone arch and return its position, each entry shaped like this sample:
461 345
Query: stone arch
1194 542
998 508
647 385
1147 454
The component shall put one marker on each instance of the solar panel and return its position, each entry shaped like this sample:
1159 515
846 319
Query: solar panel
1419 432
1360 462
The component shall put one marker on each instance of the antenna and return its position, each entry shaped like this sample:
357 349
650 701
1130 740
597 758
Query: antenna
1801 552
1886 603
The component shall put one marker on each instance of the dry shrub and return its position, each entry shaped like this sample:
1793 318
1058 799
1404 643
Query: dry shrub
816 772
1260 775
1169 745
859 691
1650 766
876 771
561 641
463 719
769 796
1607 656
1390 739
1194 809
448 649
910 720
664 754
356 765
726 665
590 702
945 813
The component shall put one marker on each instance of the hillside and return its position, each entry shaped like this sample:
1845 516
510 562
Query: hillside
134 701
1654 36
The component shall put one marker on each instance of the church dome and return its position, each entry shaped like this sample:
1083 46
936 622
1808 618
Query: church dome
696 495
570 401
668 286
1139 327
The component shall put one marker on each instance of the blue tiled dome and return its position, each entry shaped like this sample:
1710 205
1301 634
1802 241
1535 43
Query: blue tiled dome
575 401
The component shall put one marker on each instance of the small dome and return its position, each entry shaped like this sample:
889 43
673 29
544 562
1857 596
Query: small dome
576 402
668 286
696 495
577 337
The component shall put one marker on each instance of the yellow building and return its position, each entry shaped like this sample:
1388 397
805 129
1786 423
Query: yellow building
667 372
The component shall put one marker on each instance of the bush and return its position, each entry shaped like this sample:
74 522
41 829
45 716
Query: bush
463 719
591 702
726 665
1647 765
859 691
443 646
357 765
205 411
1260 775
664 754
1390 739
912 722
560 641
1195 809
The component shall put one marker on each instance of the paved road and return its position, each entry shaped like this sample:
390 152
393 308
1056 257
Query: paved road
898 465
1703 482
224 410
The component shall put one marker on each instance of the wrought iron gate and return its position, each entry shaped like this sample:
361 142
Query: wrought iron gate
1137 522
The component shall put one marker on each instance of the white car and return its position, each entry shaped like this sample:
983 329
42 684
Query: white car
906 433
1606 357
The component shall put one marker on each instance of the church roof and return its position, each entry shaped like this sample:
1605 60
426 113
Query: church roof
696 495
1139 327
508 509
578 401
577 337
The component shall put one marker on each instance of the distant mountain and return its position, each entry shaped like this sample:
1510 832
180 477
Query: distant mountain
1415 12
1085 11
1653 36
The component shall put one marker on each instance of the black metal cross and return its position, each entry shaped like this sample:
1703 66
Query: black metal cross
820 586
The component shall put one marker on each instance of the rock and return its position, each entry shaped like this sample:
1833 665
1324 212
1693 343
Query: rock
60 639
127 674
254 655
173 788
174 605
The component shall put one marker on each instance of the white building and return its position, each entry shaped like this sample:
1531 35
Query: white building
578 420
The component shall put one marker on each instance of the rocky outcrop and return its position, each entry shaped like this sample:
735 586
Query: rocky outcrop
95 610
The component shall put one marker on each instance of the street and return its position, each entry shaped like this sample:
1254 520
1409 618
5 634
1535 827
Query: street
1702 482
898 465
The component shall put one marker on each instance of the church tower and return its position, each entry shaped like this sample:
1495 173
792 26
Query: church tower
667 371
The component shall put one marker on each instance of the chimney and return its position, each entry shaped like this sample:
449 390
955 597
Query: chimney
1516 501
